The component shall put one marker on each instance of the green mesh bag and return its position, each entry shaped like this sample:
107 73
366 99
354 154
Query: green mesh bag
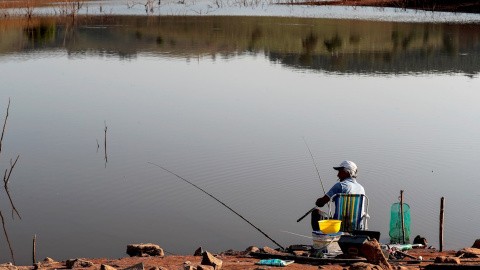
396 223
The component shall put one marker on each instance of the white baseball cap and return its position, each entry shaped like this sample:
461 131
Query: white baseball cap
347 165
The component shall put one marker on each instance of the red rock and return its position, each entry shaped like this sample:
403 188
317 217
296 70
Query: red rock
209 259
476 244
469 252
144 250
78 263
364 266
373 253
252 249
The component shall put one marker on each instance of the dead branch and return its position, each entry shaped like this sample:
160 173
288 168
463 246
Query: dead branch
106 158
4 124
5 181
6 236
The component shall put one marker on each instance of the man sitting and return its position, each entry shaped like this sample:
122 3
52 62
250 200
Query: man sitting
347 173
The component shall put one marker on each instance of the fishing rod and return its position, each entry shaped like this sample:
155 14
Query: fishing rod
321 182
309 211
219 202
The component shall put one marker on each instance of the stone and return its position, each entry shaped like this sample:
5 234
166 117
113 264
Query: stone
8 266
158 268
198 252
46 263
107 267
364 266
205 267
452 260
209 259
272 251
469 252
136 267
144 250
476 244
78 263
420 240
373 253
252 249
188 267
300 253
444 259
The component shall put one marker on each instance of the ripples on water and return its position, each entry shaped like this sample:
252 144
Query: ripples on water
224 102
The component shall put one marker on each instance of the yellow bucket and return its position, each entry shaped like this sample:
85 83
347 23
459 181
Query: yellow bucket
329 225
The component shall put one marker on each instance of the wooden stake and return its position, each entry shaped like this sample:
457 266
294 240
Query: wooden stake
403 220
442 215
34 249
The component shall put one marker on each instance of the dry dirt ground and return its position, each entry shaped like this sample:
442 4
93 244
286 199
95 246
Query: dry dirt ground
235 261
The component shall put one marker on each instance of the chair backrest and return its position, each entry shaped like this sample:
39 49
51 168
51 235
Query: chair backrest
352 210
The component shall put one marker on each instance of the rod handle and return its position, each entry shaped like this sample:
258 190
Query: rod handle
309 211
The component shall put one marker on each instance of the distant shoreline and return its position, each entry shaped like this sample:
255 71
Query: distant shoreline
468 6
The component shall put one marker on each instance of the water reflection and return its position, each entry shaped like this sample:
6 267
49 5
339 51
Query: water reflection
232 122
40 33
319 44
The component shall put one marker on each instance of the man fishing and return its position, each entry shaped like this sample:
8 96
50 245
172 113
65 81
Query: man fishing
347 174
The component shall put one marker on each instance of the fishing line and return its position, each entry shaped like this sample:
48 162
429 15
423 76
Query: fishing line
321 182
219 202
297 234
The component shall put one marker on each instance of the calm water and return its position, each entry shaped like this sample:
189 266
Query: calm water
224 102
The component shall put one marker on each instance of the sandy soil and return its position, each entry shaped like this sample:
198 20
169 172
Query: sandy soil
239 261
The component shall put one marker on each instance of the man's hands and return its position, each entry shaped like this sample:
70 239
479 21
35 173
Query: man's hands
322 201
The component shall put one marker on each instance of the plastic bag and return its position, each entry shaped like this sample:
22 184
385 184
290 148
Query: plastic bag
274 262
